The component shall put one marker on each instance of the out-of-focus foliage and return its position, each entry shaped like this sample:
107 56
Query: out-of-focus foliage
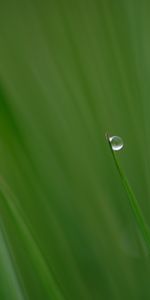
69 72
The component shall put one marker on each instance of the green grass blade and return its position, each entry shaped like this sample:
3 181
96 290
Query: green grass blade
10 286
132 199
29 243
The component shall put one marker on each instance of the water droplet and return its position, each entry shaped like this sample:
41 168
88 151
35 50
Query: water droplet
116 143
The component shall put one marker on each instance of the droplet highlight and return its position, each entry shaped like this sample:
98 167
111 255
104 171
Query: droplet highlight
116 142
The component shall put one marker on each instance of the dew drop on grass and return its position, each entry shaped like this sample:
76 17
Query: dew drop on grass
116 142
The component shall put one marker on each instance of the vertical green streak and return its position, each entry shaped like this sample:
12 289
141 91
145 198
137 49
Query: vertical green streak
132 200
10 287
38 260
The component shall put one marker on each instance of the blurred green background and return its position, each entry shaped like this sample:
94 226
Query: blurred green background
70 71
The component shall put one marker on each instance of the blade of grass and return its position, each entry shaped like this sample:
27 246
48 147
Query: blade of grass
132 199
10 285
33 250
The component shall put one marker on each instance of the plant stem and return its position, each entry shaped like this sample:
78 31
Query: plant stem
132 199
